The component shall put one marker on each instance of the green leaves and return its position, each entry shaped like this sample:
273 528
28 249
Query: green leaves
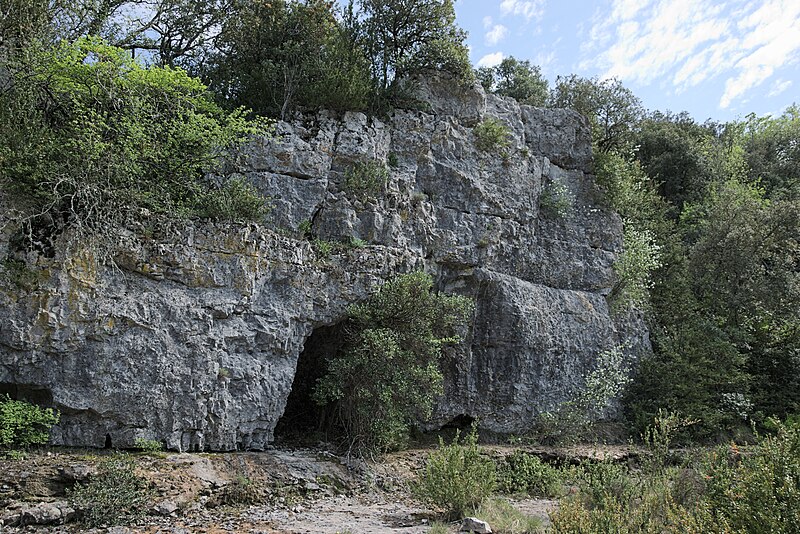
520 80
492 134
95 139
457 477
279 57
387 377
23 424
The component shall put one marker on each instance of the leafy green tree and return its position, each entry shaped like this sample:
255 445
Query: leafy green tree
743 262
387 377
405 38
773 152
672 151
281 56
174 32
744 269
92 141
22 21
518 79
612 109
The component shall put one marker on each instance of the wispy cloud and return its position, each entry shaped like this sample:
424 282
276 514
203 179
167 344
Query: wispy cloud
691 41
530 9
491 60
496 34
779 87
771 38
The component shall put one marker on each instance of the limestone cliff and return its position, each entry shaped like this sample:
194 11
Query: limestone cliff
194 338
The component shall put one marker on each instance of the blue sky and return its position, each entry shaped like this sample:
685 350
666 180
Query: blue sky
714 59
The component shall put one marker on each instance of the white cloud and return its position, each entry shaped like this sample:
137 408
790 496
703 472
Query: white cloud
771 40
779 87
491 60
530 9
692 41
546 61
487 21
496 34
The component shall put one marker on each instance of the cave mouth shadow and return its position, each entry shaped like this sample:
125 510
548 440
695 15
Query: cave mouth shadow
32 393
304 422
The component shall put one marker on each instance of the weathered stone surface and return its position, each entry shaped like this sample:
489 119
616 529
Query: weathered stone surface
45 513
475 525
193 339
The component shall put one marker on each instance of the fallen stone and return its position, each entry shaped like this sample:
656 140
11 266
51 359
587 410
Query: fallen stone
475 525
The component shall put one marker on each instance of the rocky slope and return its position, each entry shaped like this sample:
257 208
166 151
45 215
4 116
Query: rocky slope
193 338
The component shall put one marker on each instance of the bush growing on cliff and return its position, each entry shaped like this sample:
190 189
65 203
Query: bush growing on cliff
94 141
572 420
366 179
23 424
492 134
387 377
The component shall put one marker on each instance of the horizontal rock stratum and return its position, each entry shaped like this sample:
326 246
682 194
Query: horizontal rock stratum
193 337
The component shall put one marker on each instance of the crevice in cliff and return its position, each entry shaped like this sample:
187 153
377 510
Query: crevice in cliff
303 419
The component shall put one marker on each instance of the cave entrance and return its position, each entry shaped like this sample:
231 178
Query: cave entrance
31 393
304 421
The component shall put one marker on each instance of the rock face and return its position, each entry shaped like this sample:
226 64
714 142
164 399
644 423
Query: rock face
193 338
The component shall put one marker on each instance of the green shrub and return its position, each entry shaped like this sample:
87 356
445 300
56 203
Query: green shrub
235 200
659 436
603 481
505 519
522 472
731 490
387 377
115 496
323 248
366 179
609 500
241 491
557 200
457 477
94 141
304 228
23 424
492 134
757 490
148 445
356 242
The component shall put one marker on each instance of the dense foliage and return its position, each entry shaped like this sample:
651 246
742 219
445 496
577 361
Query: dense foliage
278 57
725 490
92 140
520 80
388 375
457 477
23 424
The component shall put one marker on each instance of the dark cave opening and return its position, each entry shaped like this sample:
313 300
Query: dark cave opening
31 393
304 420
460 422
